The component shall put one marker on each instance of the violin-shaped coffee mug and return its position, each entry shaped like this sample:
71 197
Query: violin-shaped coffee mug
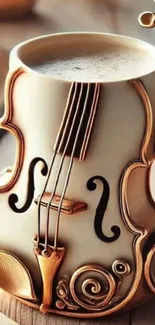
77 209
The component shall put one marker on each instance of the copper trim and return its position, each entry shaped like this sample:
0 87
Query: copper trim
68 206
150 186
147 269
6 124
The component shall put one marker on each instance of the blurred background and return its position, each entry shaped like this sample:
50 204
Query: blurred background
18 23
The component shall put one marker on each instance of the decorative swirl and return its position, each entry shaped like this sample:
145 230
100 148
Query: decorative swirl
101 208
121 268
63 293
95 293
95 288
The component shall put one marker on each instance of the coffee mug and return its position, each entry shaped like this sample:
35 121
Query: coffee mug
77 209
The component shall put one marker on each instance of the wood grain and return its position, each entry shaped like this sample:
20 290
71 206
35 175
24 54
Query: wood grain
24 315
119 16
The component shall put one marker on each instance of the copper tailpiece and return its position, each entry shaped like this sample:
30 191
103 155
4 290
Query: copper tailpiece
49 262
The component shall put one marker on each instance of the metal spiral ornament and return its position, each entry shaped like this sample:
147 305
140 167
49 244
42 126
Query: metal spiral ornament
94 295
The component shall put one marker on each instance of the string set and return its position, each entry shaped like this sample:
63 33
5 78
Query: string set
69 108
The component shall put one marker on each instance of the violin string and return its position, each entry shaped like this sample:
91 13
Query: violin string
70 167
60 167
54 154
91 119
67 123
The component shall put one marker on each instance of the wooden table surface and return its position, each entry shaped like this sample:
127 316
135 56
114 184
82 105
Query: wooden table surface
118 16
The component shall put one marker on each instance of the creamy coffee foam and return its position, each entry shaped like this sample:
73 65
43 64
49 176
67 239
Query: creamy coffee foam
111 65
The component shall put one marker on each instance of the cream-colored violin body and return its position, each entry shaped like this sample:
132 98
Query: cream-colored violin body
96 257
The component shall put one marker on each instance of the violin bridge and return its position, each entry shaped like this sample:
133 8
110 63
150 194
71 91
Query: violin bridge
68 206
48 264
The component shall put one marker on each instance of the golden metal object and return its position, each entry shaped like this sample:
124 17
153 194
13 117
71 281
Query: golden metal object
142 93
49 262
147 269
63 293
98 296
147 19
6 124
121 268
15 278
95 293
68 206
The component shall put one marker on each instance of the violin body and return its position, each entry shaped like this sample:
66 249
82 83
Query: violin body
90 252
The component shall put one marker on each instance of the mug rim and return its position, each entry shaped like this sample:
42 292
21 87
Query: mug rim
15 53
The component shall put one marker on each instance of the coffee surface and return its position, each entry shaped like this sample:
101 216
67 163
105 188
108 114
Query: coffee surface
111 65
